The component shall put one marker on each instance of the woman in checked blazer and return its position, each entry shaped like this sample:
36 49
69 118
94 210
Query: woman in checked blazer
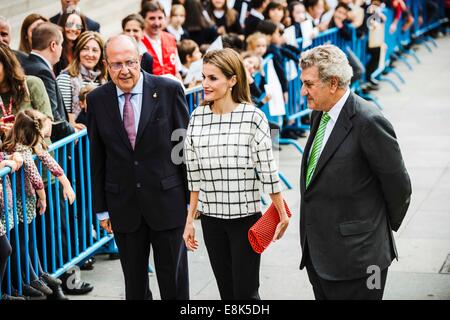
229 159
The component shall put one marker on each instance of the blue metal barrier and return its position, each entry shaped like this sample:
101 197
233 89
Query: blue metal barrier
46 244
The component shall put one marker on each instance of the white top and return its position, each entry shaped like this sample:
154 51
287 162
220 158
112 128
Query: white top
157 46
229 158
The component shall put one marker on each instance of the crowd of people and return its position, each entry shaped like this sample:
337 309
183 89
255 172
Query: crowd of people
45 85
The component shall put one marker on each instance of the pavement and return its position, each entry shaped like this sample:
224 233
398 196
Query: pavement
420 114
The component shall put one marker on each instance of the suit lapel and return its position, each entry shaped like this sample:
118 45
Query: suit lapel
337 136
150 101
114 113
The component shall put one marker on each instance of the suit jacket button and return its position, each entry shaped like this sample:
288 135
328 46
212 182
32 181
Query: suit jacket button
138 185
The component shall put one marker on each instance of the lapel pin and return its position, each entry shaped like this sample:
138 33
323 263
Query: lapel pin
155 95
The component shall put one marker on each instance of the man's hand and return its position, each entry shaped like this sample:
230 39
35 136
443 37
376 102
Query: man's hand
106 225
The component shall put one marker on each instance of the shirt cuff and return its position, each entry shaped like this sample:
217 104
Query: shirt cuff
102 216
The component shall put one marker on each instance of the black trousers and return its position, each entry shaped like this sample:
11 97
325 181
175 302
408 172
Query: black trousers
171 266
234 263
344 290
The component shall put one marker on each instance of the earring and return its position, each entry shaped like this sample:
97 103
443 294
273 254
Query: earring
231 88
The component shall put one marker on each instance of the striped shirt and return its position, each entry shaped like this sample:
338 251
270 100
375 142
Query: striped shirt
65 86
229 158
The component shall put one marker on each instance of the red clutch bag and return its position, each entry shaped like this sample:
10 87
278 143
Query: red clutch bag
261 233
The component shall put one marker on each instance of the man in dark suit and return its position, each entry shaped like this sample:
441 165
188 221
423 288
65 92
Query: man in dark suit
354 185
139 190
46 51
90 24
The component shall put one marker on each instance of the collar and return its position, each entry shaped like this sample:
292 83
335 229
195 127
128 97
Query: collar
336 109
45 60
138 88
151 40
257 14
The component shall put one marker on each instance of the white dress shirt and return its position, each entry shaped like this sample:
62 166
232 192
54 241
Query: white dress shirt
334 113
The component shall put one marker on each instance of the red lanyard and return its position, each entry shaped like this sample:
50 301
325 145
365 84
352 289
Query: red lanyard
9 108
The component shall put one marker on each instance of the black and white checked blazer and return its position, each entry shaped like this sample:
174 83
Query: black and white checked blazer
229 158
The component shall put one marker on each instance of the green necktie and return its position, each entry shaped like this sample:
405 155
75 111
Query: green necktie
317 146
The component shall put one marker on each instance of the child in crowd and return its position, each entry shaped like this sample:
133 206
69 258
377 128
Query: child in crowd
27 137
297 13
82 116
340 20
256 80
176 21
257 44
188 52
400 10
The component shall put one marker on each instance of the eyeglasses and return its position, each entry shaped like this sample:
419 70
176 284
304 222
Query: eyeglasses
117 66
77 26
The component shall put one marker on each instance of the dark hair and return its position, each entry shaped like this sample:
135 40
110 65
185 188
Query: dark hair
230 64
267 27
186 48
195 20
310 3
133 17
151 6
64 60
14 77
342 5
271 6
25 43
291 7
44 34
27 129
232 40
257 3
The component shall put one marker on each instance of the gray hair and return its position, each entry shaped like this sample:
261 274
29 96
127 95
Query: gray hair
330 61
133 41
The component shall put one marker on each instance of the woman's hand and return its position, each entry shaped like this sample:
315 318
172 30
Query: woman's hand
281 227
18 159
189 235
68 193
42 205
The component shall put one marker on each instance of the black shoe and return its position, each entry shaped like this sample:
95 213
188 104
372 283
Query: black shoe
288 134
57 294
373 85
80 288
88 264
12 298
300 133
41 286
114 256
32 293
50 280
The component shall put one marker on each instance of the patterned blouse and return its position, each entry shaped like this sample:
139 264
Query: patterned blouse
229 158
33 180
